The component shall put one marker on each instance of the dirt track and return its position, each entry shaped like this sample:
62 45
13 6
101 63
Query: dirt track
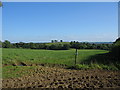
46 77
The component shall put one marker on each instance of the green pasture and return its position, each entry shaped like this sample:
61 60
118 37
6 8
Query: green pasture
31 56
11 56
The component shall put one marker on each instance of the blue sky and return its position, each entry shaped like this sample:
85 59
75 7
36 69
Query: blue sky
43 22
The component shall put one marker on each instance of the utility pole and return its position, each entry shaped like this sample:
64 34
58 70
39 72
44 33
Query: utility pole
76 54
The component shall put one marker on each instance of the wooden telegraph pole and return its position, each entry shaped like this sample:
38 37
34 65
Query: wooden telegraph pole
76 54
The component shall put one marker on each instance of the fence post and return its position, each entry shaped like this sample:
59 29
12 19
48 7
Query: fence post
76 53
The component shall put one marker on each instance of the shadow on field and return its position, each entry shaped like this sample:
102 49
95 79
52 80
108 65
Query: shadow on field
107 59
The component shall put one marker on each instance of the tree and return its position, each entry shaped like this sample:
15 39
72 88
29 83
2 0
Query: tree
61 40
53 47
94 46
6 44
116 48
25 45
52 41
21 44
117 42
42 46
32 45
66 47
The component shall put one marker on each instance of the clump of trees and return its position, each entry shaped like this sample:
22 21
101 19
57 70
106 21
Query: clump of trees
55 41
59 47
55 45
116 48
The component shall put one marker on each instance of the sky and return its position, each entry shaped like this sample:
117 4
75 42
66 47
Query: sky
67 21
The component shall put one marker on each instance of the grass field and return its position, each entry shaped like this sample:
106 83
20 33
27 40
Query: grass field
64 57
11 56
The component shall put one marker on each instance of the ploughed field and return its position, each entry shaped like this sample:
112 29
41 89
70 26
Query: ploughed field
28 68
53 77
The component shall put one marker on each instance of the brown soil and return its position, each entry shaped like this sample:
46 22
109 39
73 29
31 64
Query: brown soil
48 77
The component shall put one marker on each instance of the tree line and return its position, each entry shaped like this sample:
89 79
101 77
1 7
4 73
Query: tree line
55 45
85 45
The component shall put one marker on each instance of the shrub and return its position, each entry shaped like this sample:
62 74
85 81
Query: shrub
109 67
95 66
81 66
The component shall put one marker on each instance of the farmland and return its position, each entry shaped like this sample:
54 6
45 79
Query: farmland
31 56
39 68
47 77
59 45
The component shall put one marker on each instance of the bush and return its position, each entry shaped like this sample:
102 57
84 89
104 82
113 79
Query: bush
81 66
95 66
78 67
109 67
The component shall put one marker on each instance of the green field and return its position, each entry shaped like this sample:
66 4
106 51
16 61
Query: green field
12 56
64 57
